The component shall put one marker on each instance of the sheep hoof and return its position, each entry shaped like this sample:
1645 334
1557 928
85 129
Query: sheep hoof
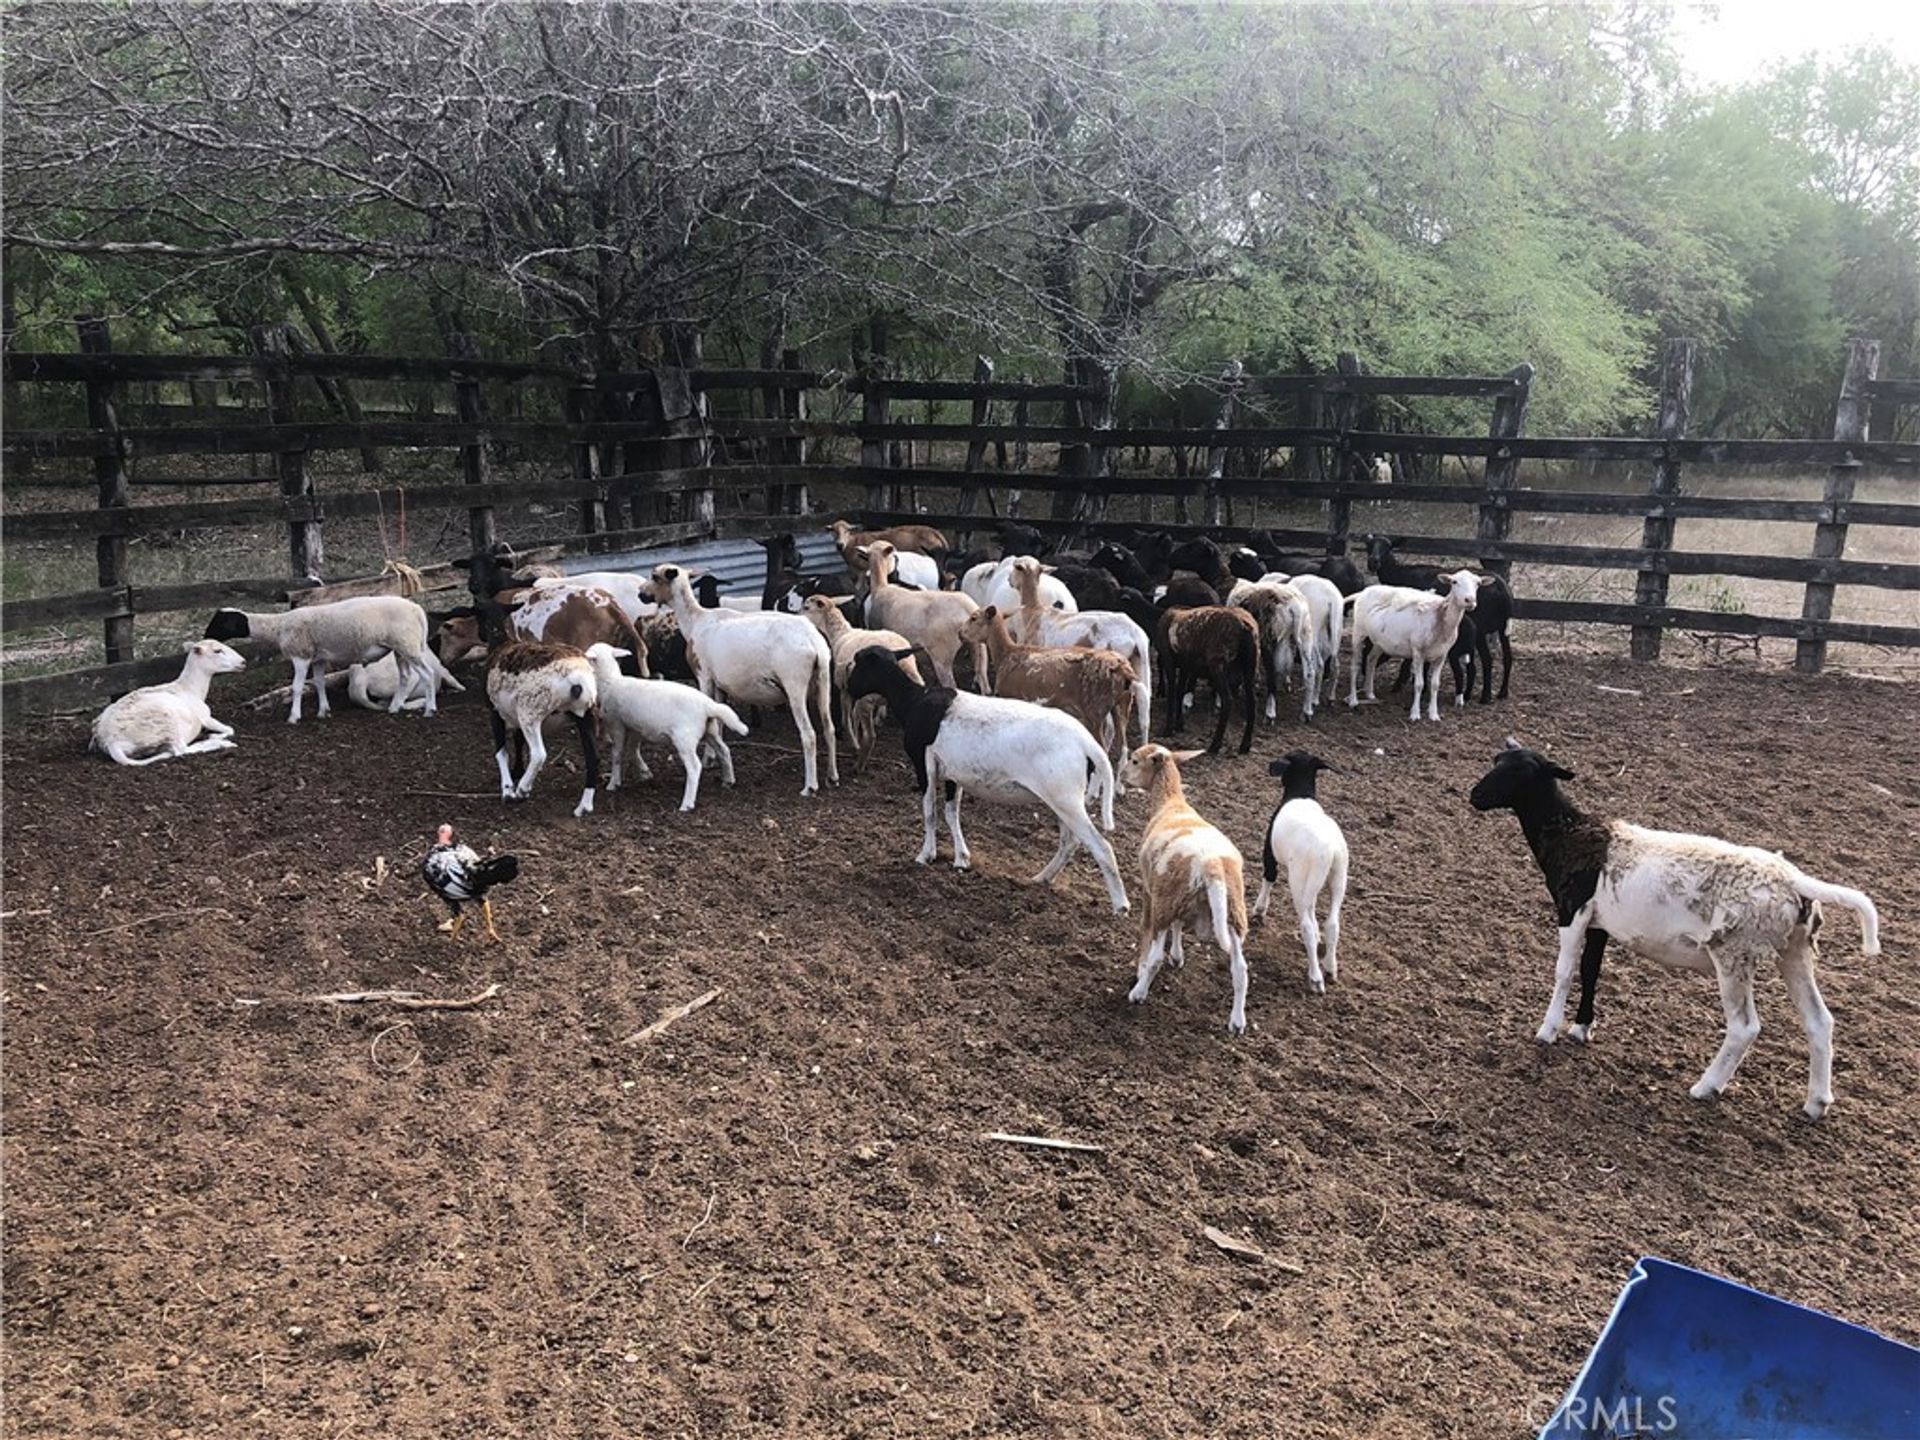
1703 1091
1545 1035
961 862
1817 1109
1137 995
1236 1024
1123 908
1582 1033
1317 986
925 857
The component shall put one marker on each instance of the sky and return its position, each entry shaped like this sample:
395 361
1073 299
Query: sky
1736 40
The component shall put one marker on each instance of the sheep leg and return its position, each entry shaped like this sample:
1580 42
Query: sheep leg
720 751
1272 659
1483 653
980 679
1229 940
1572 936
583 727
1304 896
1152 951
207 747
215 727
616 749
500 753
1590 957
321 706
1059 861
690 762
1733 968
809 751
1419 687
299 689
429 670
1084 832
823 696
1143 699
536 758
1796 967
962 856
930 844
1506 664
1223 709
1337 879
1177 945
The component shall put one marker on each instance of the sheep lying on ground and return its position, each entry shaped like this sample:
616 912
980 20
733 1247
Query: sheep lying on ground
528 683
1193 875
344 632
168 719
1008 751
1688 901
660 711
1096 687
1304 840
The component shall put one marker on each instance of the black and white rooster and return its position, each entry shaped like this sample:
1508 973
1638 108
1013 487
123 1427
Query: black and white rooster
458 875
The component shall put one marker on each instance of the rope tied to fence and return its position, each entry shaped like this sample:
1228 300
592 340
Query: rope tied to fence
412 582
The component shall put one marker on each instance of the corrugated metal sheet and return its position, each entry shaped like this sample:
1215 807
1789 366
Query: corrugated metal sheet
739 565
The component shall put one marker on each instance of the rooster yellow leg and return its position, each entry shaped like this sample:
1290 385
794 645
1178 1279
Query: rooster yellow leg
486 909
458 921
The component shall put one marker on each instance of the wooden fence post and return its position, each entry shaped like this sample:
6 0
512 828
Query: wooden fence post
1676 402
1509 415
110 470
1337 412
1231 380
306 553
582 405
481 530
1022 414
1850 426
976 448
873 453
798 502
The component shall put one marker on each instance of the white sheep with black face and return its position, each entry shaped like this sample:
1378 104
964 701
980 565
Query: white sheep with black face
1688 901
342 632
164 722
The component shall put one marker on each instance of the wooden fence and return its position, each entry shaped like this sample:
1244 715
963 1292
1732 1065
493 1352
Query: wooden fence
649 463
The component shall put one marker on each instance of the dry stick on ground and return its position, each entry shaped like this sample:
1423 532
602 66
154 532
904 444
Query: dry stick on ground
1242 1249
679 1012
164 915
700 1224
452 794
404 999
1045 1143
1401 1088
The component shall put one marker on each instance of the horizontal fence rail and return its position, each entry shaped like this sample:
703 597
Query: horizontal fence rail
645 462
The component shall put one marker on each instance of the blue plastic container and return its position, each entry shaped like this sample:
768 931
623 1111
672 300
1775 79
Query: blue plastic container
1690 1356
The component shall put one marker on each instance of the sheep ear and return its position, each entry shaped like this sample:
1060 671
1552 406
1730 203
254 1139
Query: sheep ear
906 654
1513 743
1048 569
1276 767
1487 579
1559 772
1183 756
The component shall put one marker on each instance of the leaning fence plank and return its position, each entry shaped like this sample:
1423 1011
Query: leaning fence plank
306 553
1850 423
481 531
110 470
1232 380
1340 408
976 448
1676 401
1503 467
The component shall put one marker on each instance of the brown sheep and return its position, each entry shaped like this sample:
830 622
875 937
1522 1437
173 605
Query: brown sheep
1096 687
1220 643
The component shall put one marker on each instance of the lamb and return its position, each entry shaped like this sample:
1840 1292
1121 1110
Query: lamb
1034 623
661 711
1096 687
368 686
529 682
993 584
168 719
1688 901
343 632
1185 591
1008 751
1121 563
1216 641
1411 623
1202 557
1193 875
1324 610
759 658
845 642
1287 636
930 619
1304 838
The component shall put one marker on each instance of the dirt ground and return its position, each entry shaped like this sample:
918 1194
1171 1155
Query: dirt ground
781 1216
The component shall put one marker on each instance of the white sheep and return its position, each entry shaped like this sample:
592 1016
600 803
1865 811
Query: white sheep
1305 841
1008 751
910 567
1324 603
762 658
371 687
660 711
1193 875
991 583
528 683
1414 624
343 632
1287 637
1691 902
1032 622
168 719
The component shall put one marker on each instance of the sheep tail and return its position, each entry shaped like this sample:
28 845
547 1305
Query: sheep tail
726 716
1220 908
1812 889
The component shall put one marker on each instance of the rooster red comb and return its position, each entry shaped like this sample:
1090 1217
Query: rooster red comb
446 834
